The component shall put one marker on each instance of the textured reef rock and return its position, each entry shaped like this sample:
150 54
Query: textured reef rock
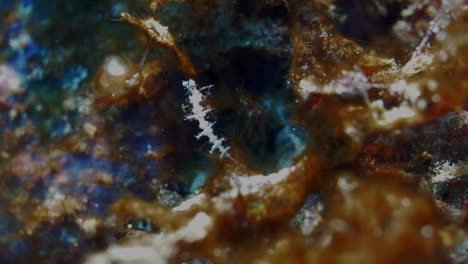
218 131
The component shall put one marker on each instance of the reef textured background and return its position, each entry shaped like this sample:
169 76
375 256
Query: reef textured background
233 131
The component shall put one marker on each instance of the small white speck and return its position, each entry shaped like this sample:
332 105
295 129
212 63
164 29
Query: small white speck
422 105
432 85
115 66
427 231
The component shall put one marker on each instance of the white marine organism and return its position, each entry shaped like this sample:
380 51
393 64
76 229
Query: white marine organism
199 113
446 170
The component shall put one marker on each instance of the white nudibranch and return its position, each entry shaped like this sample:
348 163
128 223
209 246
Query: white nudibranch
199 113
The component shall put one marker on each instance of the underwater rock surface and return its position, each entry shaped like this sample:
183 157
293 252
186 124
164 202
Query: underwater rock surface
216 131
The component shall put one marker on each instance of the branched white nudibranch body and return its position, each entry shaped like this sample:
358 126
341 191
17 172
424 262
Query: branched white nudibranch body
199 113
